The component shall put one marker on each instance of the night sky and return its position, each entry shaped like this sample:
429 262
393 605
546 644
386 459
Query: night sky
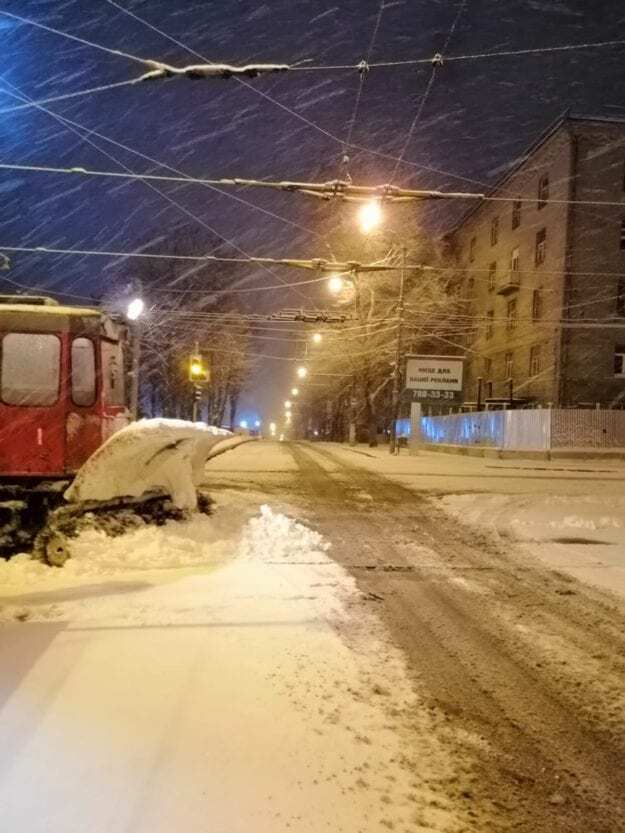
479 116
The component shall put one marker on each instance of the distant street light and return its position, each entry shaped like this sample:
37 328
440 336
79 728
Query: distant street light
370 216
257 424
317 338
288 404
243 423
302 372
294 391
272 429
135 309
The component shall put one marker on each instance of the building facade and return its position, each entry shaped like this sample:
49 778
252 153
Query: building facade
543 272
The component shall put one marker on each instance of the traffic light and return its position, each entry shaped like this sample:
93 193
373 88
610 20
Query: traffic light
199 372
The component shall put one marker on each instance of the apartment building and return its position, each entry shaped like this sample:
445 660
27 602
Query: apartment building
544 272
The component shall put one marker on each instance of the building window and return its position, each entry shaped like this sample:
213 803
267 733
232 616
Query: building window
472 250
508 365
622 234
516 214
540 252
492 276
83 372
620 296
490 323
619 360
536 305
511 315
543 190
514 260
494 231
535 364
488 368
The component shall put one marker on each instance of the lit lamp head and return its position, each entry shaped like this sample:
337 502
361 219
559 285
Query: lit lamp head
135 309
302 372
370 216
287 405
317 338
294 391
335 284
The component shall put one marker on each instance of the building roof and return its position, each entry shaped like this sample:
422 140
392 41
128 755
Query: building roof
537 143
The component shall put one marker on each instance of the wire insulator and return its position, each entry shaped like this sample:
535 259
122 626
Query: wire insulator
437 60
363 68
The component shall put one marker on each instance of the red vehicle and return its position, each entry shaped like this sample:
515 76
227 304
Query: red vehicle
61 395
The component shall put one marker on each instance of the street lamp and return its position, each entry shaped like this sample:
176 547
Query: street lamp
302 372
317 338
294 391
370 216
335 284
243 424
135 309
288 404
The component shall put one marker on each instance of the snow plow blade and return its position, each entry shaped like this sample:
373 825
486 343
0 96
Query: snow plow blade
151 455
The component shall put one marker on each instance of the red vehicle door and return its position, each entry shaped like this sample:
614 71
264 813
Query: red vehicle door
32 404
84 423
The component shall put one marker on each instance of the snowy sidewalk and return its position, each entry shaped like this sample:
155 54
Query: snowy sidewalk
241 686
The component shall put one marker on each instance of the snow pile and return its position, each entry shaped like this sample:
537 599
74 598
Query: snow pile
150 455
274 537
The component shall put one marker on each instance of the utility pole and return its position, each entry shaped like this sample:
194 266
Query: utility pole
394 446
351 437
136 327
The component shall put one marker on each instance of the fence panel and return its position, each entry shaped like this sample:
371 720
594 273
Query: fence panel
577 428
527 430
484 428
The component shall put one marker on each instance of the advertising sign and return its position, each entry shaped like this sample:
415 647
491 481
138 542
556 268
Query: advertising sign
434 373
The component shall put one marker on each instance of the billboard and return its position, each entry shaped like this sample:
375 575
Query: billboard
434 377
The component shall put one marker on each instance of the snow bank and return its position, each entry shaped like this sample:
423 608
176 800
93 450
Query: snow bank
151 454
580 535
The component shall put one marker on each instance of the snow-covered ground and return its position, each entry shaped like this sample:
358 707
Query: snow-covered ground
219 674
580 535
570 514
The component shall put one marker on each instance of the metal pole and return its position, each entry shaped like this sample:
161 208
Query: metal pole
196 402
393 448
351 437
479 393
134 372
135 347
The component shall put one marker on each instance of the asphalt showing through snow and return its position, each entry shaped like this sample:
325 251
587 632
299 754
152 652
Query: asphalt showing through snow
528 665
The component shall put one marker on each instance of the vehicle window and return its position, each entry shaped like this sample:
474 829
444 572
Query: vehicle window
113 374
83 372
30 370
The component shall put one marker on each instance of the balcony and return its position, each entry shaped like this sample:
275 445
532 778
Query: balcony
509 283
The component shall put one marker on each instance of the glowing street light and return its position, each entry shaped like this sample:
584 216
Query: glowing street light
257 423
317 338
135 309
288 404
294 391
335 284
302 372
370 216
272 428
243 424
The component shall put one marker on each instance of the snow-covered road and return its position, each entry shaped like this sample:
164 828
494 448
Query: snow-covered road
328 651
223 674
